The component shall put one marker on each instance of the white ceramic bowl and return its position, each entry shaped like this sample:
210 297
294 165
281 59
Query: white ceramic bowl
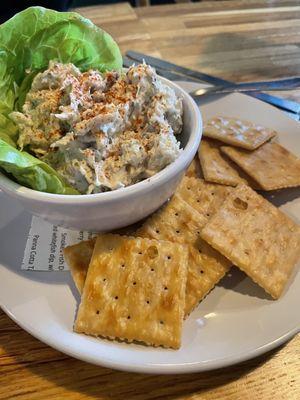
121 207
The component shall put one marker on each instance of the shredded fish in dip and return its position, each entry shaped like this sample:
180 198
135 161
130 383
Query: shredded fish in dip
101 131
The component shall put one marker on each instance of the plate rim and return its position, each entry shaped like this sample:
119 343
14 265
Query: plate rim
184 368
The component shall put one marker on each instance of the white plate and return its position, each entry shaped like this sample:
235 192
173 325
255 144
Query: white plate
235 322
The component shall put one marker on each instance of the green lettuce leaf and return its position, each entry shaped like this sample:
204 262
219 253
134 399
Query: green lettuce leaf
24 89
32 172
28 41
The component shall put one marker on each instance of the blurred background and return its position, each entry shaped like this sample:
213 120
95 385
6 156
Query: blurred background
11 7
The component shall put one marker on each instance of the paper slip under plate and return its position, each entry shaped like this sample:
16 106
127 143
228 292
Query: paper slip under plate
45 244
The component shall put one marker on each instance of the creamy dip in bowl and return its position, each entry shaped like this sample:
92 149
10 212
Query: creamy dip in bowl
124 202
101 132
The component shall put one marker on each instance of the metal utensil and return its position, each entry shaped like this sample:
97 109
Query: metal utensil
283 84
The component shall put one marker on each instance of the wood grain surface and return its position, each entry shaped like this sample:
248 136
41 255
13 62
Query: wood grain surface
238 40
31 370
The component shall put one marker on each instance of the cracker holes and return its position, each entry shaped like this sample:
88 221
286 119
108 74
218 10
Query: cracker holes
116 297
176 214
207 214
169 257
104 279
152 252
134 283
198 200
157 230
128 316
97 312
140 252
166 288
152 269
148 302
161 322
201 271
200 251
178 231
123 265
188 188
212 193
240 204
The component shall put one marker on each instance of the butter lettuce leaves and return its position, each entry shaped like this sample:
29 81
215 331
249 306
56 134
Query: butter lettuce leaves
32 172
28 41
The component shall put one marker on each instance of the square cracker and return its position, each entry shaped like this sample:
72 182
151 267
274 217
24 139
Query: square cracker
238 133
257 237
272 166
179 223
206 198
194 169
219 169
135 290
78 258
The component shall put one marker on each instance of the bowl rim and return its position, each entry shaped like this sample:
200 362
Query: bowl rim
158 179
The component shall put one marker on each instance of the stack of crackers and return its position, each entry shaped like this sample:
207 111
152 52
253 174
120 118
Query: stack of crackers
140 285
234 151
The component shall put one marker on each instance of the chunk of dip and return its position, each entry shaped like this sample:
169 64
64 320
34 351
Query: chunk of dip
101 131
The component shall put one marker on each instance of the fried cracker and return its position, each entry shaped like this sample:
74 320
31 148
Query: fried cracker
216 168
78 258
135 290
178 222
272 166
194 169
206 198
206 268
257 237
237 132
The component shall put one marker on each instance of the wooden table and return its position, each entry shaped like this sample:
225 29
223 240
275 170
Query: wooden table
237 40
